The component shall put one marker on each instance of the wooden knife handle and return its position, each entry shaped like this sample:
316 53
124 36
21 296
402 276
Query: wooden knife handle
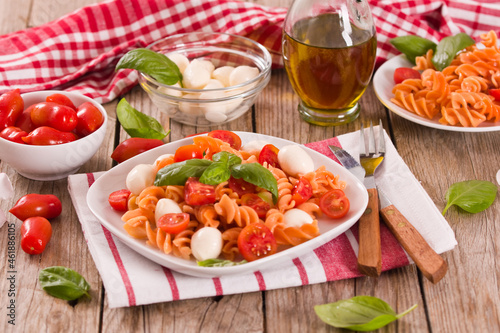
370 254
432 266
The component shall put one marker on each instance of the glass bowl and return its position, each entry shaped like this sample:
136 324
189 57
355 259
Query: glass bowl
210 105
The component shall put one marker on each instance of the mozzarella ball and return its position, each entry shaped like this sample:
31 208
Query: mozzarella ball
191 108
180 60
255 145
296 218
206 243
242 74
215 116
214 84
171 92
196 75
140 177
222 74
206 64
295 161
166 206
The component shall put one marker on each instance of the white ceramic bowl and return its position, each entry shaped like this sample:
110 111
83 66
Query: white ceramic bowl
184 105
54 161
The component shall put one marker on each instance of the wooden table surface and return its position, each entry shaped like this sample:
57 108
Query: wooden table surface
466 300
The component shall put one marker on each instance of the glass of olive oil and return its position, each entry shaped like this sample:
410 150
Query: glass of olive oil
329 49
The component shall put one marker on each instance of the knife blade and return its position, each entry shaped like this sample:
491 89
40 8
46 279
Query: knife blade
430 263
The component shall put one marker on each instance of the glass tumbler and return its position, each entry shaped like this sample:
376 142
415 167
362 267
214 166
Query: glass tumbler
329 49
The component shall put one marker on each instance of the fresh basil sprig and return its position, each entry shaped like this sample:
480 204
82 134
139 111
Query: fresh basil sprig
63 283
473 196
138 124
220 170
359 313
178 173
220 263
413 46
258 175
154 64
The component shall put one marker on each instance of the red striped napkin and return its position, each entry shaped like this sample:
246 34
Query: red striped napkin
130 279
79 51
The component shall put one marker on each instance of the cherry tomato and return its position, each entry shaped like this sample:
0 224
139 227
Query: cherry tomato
44 136
256 241
241 186
31 205
173 223
118 200
403 73
11 106
13 134
61 99
227 136
35 234
187 152
269 154
197 193
60 117
334 204
255 202
89 119
302 191
495 93
132 147
24 120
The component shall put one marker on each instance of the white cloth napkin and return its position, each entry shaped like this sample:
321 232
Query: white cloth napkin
130 279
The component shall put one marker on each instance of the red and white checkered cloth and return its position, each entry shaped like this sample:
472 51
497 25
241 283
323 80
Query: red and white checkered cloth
79 51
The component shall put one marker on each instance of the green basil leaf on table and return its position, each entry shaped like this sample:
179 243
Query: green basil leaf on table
258 175
178 173
473 196
138 124
63 283
219 263
152 63
448 48
412 46
359 313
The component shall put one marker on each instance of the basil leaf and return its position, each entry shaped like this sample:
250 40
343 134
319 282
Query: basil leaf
258 175
448 48
178 173
219 263
138 124
63 283
412 46
154 64
360 313
226 157
473 196
215 174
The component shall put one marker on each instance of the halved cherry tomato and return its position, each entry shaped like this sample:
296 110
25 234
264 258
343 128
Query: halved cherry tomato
241 186
495 93
31 205
118 200
173 223
269 154
60 117
24 120
403 73
302 191
197 193
89 119
227 136
35 234
255 202
334 204
13 134
187 152
132 147
45 135
256 241
61 99
11 106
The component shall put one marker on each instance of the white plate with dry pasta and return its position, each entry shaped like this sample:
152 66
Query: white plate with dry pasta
256 216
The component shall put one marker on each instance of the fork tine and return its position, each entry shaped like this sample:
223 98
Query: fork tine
362 145
381 140
371 140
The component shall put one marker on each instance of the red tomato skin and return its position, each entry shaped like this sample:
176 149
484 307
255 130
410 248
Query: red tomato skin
132 147
255 202
61 99
495 93
13 134
30 205
173 223
187 152
269 155
256 241
227 136
197 193
118 200
24 120
35 234
11 106
45 136
60 117
334 204
241 186
403 73
89 119
302 191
